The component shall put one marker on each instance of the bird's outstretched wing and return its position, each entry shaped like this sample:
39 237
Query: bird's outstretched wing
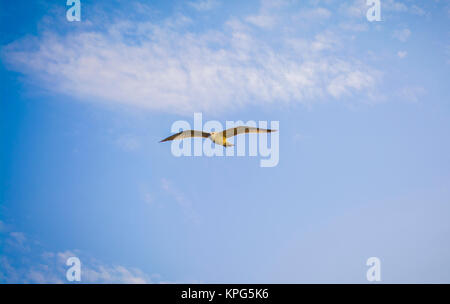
241 129
187 134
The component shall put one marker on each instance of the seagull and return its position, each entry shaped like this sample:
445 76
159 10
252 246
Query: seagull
219 138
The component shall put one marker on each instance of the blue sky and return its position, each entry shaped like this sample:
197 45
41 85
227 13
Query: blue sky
364 166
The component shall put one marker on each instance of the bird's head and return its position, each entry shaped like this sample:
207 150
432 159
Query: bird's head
213 133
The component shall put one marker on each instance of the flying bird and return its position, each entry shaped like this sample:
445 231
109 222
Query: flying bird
219 138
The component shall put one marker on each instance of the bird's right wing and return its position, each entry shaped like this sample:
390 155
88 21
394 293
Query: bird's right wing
243 129
186 134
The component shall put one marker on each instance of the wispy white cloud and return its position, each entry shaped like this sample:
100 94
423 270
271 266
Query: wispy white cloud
309 17
345 83
97 272
403 7
417 10
354 26
204 5
319 12
395 6
128 142
17 240
357 8
402 35
166 67
264 21
180 199
411 93
30 263
402 54
267 16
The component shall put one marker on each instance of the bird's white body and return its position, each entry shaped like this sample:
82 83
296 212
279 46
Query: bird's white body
220 139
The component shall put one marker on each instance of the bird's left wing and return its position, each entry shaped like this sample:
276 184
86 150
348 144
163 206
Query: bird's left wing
242 129
186 134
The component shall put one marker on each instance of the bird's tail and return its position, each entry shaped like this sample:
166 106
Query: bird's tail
227 144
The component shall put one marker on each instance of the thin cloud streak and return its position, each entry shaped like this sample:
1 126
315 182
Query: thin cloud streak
33 264
166 67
